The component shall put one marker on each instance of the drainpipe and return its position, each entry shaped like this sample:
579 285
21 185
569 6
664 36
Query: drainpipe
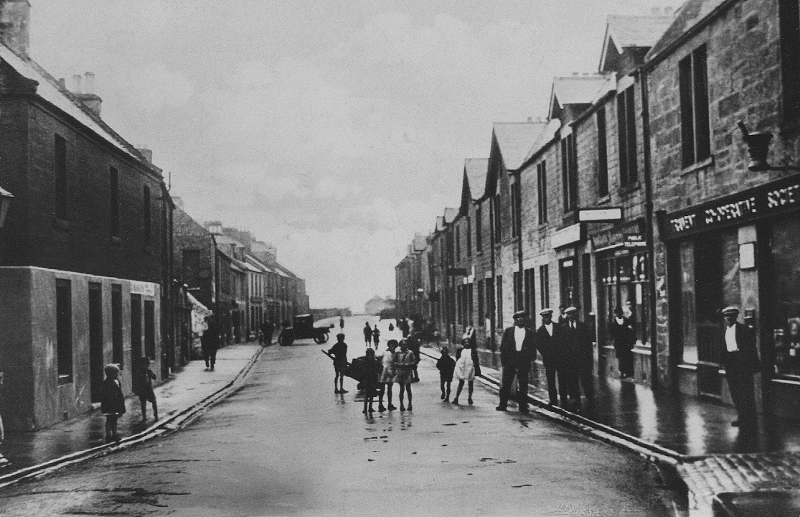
649 235
492 325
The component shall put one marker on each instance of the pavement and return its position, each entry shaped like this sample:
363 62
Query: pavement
180 398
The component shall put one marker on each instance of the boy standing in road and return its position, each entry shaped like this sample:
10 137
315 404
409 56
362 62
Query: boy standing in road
339 353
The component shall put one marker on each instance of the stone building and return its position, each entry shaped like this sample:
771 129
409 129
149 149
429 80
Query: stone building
728 234
85 251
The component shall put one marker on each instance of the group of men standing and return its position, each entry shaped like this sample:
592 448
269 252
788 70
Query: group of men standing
567 354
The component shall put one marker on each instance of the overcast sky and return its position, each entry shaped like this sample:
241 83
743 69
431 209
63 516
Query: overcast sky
333 129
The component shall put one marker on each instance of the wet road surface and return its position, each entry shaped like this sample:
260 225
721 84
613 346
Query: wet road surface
285 444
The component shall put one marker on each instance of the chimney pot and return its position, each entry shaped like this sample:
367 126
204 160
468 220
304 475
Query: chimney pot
15 17
77 86
88 84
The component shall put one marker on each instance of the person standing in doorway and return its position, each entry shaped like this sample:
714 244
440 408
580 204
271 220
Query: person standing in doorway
517 350
623 337
367 334
547 343
578 340
210 342
740 359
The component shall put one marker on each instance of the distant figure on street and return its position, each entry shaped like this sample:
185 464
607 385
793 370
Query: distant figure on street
372 372
741 362
446 366
387 375
267 328
339 353
376 336
341 323
547 343
465 372
517 350
367 334
209 342
414 345
143 378
578 338
112 402
623 337
404 365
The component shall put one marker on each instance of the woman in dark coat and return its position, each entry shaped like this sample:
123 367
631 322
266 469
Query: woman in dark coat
624 337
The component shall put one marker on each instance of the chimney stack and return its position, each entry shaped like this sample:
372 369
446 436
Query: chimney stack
146 152
86 93
15 16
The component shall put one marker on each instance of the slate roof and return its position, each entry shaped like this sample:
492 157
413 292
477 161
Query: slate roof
51 91
579 89
690 14
545 136
515 139
476 169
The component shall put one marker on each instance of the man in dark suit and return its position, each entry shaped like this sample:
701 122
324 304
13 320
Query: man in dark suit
547 343
740 359
577 338
517 350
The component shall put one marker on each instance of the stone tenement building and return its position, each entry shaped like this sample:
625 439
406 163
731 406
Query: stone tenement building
638 192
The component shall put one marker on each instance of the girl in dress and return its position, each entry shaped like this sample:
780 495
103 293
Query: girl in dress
465 371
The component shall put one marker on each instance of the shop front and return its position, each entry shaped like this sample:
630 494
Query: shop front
742 250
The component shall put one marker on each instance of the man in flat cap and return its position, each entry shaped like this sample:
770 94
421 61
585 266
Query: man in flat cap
546 341
517 350
577 338
740 359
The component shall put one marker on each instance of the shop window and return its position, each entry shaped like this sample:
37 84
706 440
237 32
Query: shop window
624 279
695 132
784 244
569 296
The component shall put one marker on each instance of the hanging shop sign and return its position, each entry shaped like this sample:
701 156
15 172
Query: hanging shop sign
767 200
143 288
600 215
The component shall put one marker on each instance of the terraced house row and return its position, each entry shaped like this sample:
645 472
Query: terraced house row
88 248
666 183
